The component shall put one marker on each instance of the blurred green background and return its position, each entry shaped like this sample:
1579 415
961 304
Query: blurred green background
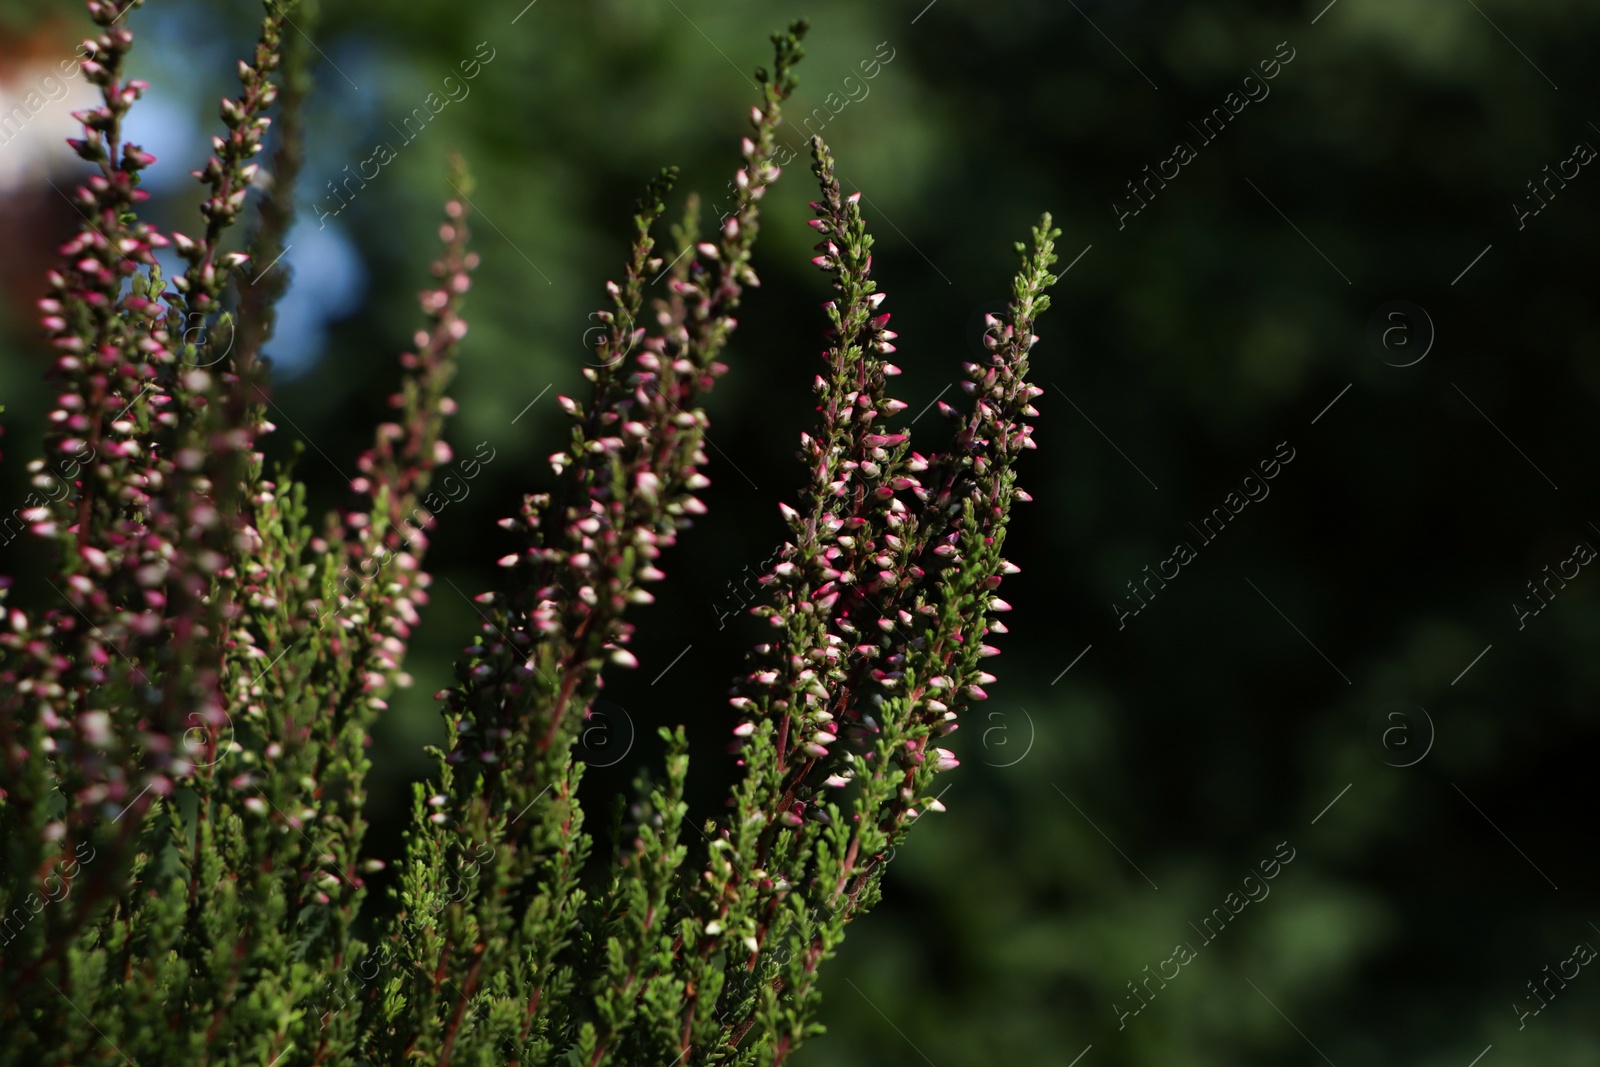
1104 810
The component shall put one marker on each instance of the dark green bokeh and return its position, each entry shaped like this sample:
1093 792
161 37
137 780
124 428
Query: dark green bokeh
1252 691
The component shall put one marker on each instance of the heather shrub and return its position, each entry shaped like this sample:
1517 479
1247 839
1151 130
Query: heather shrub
184 724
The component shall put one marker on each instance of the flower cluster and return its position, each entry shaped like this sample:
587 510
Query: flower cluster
881 608
195 716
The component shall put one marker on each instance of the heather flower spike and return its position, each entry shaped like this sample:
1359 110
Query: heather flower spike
626 487
183 740
877 637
